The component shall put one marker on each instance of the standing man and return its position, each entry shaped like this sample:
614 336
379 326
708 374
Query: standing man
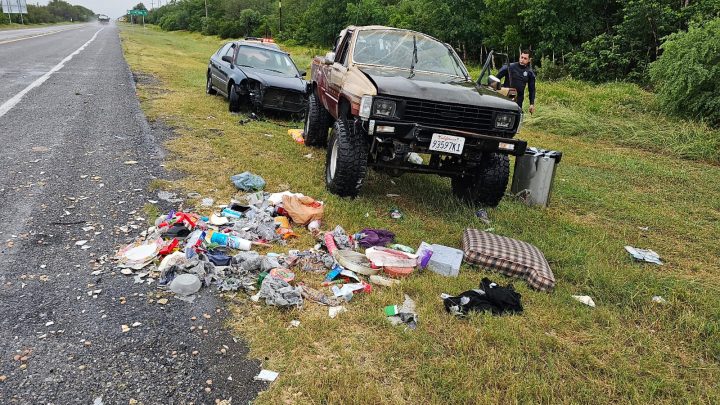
519 74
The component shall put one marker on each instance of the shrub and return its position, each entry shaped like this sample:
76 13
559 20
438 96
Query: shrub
550 71
686 74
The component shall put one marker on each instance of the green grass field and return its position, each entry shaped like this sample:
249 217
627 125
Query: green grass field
625 166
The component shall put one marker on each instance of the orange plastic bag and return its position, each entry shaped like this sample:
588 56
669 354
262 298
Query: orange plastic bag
303 210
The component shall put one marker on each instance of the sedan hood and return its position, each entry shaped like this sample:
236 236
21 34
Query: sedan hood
435 87
274 79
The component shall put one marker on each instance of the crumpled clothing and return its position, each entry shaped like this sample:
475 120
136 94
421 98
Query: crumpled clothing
303 210
247 181
279 293
375 237
268 263
258 224
320 297
218 258
342 240
203 269
314 264
490 297
247 261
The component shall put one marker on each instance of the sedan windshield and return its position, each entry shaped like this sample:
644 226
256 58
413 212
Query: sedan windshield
403 49
266 59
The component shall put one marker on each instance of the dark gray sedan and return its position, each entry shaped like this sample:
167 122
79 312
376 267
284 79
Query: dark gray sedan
259 75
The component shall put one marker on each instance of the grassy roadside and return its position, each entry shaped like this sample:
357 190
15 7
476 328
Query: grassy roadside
559 351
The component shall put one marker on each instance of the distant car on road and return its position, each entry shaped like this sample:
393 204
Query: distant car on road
103 19
258 74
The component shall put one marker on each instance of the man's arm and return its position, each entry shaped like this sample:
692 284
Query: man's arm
531 90
502 72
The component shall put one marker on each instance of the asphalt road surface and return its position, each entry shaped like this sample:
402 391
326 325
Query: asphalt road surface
69 119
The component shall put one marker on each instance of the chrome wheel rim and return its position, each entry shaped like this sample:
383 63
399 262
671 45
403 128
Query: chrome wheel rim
333 159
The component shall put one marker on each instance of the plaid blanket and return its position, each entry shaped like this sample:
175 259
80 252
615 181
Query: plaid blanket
508 256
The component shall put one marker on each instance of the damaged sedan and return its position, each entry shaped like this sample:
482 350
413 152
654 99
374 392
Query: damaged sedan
258 76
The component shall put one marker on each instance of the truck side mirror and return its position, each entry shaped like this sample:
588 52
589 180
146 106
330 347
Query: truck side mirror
329 58
494 82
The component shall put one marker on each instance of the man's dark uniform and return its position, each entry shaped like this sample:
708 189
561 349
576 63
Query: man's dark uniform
519 77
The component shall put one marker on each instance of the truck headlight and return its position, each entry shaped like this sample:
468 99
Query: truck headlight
384 108
365 107
504 121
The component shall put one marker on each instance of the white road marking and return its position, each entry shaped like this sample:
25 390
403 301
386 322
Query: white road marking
40 35
8 105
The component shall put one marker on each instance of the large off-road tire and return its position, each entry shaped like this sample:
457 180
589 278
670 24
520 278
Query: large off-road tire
487 186
347 160
317 122
233 99
209 89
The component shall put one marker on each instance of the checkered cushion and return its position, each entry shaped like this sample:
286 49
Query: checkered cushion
508 256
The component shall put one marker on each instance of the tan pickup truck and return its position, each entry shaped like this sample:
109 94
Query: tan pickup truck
401 101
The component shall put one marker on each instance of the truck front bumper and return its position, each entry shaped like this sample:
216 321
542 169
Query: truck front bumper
418 137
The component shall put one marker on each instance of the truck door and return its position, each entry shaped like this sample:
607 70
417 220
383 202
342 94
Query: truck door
337 72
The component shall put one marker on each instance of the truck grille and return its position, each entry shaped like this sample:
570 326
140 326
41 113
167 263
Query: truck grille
283 100
453 116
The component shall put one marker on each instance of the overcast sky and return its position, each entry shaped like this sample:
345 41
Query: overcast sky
113 8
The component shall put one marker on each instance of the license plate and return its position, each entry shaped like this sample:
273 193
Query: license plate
447 143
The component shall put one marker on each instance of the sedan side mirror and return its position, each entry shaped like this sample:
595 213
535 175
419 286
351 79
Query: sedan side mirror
227 58
329 58
303 73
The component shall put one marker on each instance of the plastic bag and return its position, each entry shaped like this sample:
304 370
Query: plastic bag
303 210
247 181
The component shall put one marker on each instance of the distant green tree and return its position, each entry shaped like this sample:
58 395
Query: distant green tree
686 75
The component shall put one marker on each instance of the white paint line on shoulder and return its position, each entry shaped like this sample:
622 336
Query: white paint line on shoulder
8 105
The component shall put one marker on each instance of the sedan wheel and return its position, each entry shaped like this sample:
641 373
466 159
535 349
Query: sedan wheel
209 89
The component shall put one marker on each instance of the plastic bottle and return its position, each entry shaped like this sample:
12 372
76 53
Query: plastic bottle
231 241
227 212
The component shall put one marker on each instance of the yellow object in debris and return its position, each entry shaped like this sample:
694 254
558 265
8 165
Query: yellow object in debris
297 135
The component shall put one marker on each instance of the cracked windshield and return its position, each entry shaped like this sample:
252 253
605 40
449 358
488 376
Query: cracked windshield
405 50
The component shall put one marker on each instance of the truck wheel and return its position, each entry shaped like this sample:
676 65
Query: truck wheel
209 89
317 122
346 162
234 99
487 186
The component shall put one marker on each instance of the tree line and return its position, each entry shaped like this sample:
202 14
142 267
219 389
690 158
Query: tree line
54 12
597 40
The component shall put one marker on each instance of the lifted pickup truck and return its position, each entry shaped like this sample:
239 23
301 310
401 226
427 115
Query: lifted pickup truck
391 95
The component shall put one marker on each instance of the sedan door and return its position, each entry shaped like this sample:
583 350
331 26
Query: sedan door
223 68
215 61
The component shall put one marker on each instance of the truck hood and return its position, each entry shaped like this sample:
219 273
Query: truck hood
435 87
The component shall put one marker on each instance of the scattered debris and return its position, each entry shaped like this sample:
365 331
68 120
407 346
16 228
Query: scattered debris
644 255
658 299
404 314
585 299
489 296
266 375
334 311
247 181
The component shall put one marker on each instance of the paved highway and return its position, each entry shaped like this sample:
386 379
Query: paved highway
69 119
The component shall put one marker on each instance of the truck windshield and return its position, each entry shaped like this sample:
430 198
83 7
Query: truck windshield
397 49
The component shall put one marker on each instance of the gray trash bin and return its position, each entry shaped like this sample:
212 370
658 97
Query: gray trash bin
534 174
